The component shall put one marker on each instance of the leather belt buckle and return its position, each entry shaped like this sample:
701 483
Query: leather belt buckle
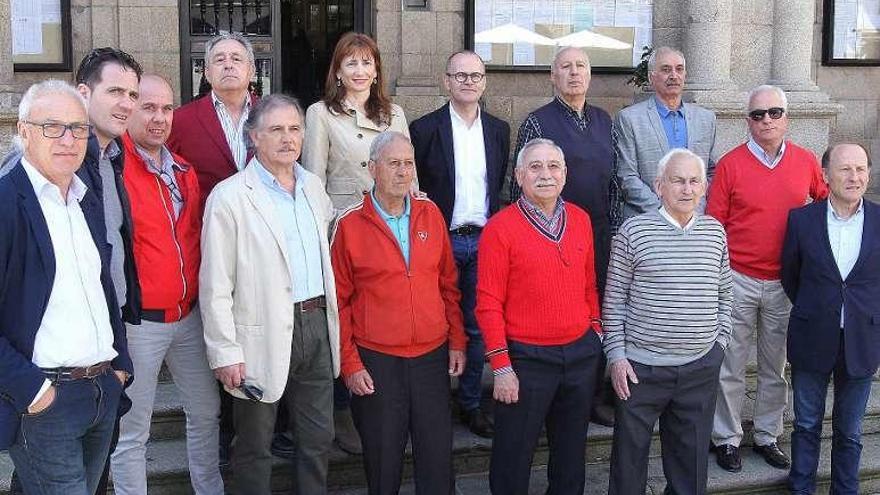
468 229
311 304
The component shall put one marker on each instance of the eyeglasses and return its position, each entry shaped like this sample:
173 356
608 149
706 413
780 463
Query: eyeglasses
462 77
774 112
52 130
251 392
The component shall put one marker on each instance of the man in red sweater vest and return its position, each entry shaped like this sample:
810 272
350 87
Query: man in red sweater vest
538 309
755 186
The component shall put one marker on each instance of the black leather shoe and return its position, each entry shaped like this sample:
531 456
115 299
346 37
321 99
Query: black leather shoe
479 424
282 446
727 456
773 455
602 414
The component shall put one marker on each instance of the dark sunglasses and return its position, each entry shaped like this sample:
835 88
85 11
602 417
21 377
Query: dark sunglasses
251 392
758 115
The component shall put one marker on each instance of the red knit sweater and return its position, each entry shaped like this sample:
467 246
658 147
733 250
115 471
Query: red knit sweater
530 289
752 202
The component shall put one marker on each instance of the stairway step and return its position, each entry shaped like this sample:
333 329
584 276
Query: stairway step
756 477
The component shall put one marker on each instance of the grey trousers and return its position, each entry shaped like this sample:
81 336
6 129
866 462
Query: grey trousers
182 346
683 399
309 396
762 305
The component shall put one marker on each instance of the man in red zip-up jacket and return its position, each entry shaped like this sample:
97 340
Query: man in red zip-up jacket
401 327
166 212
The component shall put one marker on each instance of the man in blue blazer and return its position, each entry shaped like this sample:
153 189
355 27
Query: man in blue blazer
831 273
63 357
461 156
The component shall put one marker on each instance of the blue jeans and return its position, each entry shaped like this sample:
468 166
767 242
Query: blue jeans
62 449
850 400
470 387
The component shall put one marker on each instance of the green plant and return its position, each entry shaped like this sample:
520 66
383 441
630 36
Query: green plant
639 77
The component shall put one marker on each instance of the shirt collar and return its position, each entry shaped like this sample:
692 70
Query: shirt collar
385 216
167 163
674 222
39 182
833 214
219 103
457 118
560 204
758 151
111 151
664 111
271 182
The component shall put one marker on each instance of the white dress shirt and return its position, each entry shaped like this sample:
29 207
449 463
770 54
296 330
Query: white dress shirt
769 161
75 329
845 236
471 205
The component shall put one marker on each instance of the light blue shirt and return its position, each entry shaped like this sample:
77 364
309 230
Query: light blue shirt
300 233
399 225
770 161
674 125
845 236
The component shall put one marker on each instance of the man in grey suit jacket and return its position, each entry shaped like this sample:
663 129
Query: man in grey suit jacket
644 132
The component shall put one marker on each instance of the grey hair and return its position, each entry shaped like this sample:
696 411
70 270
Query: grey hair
381 141
764 88
663 50
240 38
41 89
531 144
561 49
266 105
679 153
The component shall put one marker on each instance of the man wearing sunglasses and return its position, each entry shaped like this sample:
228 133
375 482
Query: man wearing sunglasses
163 192
755 186
461 156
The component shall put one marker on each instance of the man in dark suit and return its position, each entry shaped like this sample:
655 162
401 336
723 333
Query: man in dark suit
831 273
461 156
61 337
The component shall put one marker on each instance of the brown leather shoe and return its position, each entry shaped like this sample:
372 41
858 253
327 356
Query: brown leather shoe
347 437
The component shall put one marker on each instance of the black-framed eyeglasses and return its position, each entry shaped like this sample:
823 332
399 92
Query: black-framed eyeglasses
53 130
252 392
462 77
774 112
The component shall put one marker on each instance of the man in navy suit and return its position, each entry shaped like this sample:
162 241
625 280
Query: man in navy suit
461 156
831 273
63 356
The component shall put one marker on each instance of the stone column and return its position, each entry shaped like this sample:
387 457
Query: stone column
792 60
707 44
9 95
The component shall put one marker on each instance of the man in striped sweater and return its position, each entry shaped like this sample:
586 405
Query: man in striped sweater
667 321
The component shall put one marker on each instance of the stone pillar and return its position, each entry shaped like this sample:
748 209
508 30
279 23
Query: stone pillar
9 94
707 44
792 60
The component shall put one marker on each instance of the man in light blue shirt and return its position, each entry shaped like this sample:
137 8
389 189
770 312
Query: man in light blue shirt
399 225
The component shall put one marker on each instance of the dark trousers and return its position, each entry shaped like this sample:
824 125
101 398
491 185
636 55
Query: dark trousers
470 386
411 400
850 400
556 385
309 396
63 449
683 399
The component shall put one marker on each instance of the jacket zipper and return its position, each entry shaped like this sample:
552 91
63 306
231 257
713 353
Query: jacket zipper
176 246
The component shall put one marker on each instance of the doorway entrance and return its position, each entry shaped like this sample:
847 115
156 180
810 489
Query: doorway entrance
293 40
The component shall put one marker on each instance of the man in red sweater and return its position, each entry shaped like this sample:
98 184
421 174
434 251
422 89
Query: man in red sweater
402 332
755 186
538 309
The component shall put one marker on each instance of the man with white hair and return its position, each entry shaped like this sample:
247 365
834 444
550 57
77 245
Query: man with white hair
63 353
647 130
755 186
667 322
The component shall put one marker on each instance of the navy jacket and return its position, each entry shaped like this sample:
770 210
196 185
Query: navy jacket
27 271
812 281
431 137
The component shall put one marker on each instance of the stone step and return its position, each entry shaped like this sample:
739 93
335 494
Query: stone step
756 477
168 474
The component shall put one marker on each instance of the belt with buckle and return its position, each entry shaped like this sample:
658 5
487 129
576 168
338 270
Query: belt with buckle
310 304
467 230
158 315
80 373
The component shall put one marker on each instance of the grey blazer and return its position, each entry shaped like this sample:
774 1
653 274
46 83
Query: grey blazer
640 143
